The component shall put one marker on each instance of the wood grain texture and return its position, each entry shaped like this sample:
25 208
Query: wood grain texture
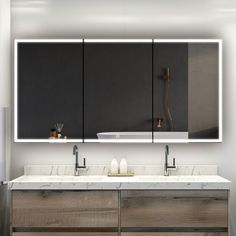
65 209
174 208
65 234
173 234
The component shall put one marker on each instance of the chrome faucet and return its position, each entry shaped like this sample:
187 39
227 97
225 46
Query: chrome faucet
77 166
167 167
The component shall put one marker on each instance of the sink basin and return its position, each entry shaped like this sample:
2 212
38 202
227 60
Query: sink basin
180 178
124 136
153 178
91 178
56 178
167 178
170 135
144 136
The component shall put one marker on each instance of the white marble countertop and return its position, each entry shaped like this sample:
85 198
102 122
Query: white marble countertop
136 169
102 182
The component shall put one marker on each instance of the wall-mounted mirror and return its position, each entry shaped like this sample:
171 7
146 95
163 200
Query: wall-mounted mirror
48 90
187 90
118 90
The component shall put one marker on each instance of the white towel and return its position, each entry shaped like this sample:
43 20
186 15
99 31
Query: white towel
2 144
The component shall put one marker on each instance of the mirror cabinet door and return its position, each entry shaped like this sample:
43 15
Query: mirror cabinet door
118 92
49 89
186 91
170 81
203 89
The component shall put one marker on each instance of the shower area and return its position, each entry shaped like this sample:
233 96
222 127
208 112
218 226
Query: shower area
185 89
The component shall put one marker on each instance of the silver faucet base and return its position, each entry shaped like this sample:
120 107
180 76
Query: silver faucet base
77 166
167 166
76 172
166 171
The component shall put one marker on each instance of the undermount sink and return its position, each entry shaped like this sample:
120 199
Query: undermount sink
90 178
56 178
180 178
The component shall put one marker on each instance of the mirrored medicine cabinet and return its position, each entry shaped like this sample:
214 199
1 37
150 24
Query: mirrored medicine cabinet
118 91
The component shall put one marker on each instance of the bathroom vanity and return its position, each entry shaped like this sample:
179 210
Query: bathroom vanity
143 205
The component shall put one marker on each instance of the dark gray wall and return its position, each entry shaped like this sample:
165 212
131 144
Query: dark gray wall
203 90
49 89
118 87
174 56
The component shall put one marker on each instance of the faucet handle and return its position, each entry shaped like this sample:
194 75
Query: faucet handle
84 164
158 122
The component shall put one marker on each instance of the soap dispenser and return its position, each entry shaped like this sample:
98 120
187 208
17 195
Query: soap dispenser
123 166
114 166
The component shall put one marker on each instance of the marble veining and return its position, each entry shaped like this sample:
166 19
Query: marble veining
94 177
53 182
136 169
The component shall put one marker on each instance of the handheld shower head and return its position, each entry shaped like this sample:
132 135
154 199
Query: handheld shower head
166 75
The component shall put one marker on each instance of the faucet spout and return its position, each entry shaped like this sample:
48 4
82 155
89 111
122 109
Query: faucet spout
75 149
76 154
166 165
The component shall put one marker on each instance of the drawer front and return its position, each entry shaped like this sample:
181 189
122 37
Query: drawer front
173 234
65 209
174 209
65 234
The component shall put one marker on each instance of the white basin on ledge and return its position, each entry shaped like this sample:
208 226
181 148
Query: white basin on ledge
140 136
37 182
124 135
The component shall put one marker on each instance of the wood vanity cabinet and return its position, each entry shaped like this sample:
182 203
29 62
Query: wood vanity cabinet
65 210
174 209
125 213
116 234
173 234
66 234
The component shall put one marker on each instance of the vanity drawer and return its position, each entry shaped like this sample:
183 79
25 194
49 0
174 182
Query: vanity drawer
65 209
174 234
65 234
174 208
